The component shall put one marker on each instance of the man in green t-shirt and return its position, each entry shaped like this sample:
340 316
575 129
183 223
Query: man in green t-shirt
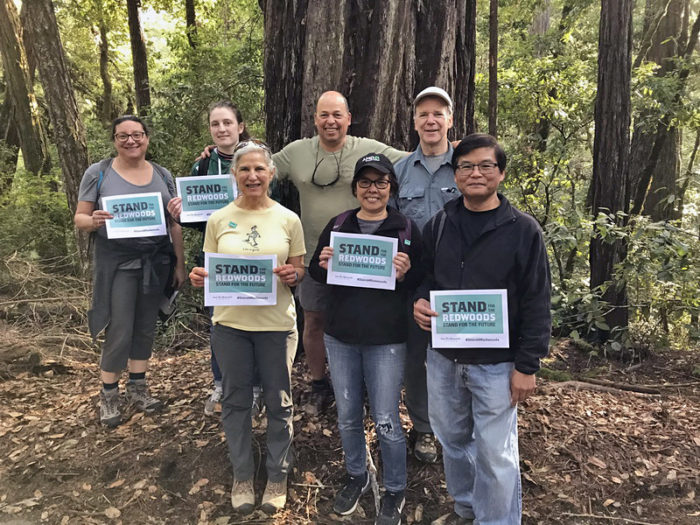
322 169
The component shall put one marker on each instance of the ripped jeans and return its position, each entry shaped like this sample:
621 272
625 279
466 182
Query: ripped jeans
380 369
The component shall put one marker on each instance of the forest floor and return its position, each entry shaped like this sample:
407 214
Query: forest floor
592 452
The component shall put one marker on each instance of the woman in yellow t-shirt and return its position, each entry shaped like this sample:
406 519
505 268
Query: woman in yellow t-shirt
262 337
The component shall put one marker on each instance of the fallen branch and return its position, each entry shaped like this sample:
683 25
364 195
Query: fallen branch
587 385
611 518
42 299
642 389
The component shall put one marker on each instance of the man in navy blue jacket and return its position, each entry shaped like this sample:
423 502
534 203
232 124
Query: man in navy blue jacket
479 241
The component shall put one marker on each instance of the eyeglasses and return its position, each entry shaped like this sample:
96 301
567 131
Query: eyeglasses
251 142
381 184
337 172
485 168
137 136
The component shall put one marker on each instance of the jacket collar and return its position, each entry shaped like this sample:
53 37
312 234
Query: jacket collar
504 212
393 221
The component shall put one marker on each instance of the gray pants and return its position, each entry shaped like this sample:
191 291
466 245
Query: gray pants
133 316
238 352
416 398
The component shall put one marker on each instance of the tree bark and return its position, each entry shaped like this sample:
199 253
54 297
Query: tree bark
360 49
68 131
493 68
191 23
106 110
663 32
139 57
10 139
26 113
611 151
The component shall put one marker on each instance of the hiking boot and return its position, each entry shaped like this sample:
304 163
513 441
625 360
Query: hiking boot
275 496
424 447
137 394
346 500
243 496
320 398
109 407
390 509
258 403
213 404
452 519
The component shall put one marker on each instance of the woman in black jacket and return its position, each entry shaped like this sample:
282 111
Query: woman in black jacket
365 337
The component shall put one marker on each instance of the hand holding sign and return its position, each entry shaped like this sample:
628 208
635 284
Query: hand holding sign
402 263
325 255
175 207
99 218
422 313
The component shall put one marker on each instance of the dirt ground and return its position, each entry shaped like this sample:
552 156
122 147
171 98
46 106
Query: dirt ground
591 451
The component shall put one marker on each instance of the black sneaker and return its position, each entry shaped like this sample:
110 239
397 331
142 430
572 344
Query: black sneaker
346 500
390 509
320 398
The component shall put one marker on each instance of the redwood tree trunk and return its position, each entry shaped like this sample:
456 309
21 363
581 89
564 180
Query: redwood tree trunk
106 111
493 68
139 58
361 49
17 75
68 131
191 23
663 27
611 149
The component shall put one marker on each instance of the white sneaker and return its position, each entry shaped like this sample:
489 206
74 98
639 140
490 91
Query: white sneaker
213 404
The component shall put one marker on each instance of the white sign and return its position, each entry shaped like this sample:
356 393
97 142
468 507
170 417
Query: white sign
135 215
202 196
236 280
362 261
470 319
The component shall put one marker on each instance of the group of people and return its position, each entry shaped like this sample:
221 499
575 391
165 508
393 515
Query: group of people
454 231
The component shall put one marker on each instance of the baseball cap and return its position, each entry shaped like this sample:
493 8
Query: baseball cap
434 91
374 160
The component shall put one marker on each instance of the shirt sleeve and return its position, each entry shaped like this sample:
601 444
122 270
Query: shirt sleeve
315 270
296 237
282 160
88 184
210 242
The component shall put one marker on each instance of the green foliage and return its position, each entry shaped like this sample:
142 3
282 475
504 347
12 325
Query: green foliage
34 218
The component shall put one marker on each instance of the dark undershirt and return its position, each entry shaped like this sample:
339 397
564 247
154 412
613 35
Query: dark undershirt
472 223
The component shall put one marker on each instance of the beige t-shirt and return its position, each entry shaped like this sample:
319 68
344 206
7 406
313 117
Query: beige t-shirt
274 230
298 160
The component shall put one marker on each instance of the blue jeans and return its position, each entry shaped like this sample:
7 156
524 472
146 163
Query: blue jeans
380 368
471 414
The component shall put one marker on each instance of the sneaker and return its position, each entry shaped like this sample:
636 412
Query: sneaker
390 509
243 496
275 496
320 398
138 395
213 404
258 403
109 407
347 499
424 447
452 519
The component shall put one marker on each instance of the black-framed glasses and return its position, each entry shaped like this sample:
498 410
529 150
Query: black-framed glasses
337 174
485 168
251 142
137 136
381 184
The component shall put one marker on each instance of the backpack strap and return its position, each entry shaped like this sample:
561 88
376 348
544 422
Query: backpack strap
203 166
405 235
103 166
438 226
340 219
